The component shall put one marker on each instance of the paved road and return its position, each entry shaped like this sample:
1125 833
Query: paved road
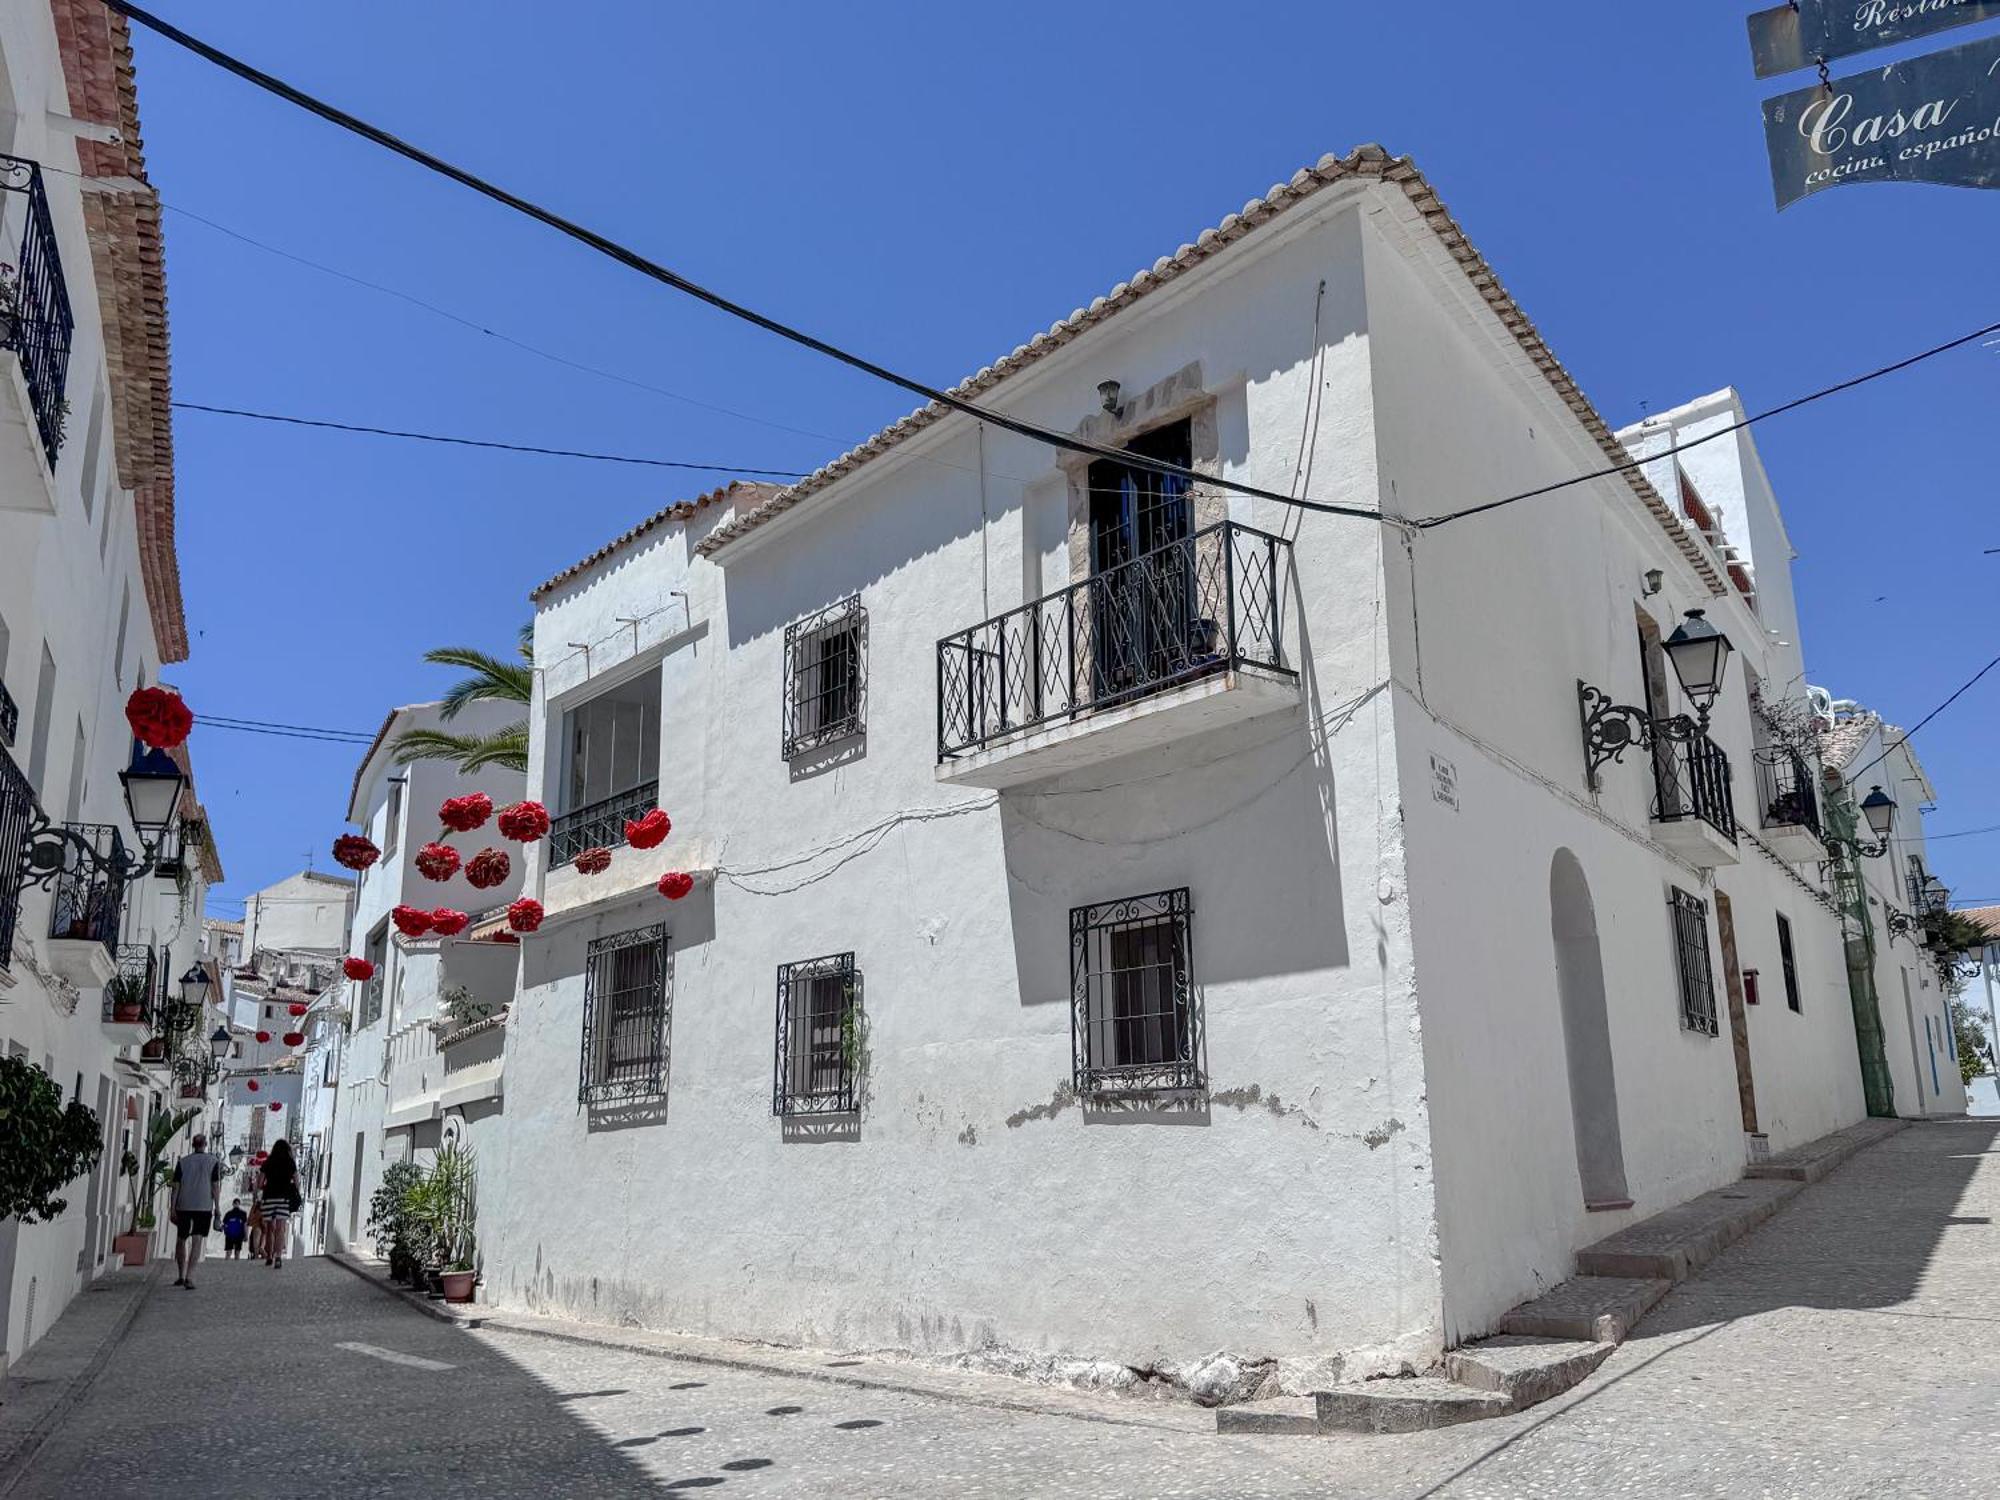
1850 1348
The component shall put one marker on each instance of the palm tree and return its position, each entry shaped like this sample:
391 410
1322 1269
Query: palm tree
492 679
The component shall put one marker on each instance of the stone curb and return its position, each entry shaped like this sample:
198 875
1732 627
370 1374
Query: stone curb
18 1452
375 1274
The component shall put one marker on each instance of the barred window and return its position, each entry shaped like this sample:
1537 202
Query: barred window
1789 959
819 1037
627 1010
826 677
1697 976
1135 1020
377 953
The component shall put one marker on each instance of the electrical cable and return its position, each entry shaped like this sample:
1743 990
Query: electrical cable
465 442
1905 737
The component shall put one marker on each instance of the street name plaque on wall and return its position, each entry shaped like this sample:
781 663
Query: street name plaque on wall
1931 119
1789 37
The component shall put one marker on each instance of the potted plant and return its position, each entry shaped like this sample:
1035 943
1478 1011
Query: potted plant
389 1223
148 1177
450 1188
128 997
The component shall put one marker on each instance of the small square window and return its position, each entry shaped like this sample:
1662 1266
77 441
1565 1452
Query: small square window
1135 1020
826 677
1697 974
819 1037
627 1010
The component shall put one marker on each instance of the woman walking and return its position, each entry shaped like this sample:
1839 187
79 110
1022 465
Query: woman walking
278 1198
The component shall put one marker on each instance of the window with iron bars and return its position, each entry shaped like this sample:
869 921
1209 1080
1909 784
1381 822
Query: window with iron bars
1135 1020
819 1037
1789 960
627 1010
826 677
1697 975
377 953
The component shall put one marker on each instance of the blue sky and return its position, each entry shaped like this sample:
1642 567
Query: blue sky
930 185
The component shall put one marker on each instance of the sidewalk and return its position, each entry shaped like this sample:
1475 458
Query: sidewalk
54 1375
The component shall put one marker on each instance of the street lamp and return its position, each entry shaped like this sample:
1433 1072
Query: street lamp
1879 808
1700 654
153 786
194 985
236 1154
51 851
218 1043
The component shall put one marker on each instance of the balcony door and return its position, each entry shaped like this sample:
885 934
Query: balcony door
1653 673
1141 600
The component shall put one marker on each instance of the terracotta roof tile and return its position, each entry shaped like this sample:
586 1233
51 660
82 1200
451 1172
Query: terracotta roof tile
1988 917
1840 744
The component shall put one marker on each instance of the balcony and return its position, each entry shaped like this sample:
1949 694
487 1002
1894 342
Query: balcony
599 824
1183 639
89 899
10 718
35 328
132 995
1788 806
17 813
1694 811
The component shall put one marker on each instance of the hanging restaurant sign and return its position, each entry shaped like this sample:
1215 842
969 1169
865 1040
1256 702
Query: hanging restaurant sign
1788 37
1931 119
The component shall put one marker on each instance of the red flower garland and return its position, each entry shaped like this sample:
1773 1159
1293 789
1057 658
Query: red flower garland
675 884
504 937
650 831
463 814
448 923
263 1037
298 1007
411 921
525 915
260 1158
253 1085
158 717
524 822
294 1038
487 868
276 1106
437 861
355 851
357 968
593 862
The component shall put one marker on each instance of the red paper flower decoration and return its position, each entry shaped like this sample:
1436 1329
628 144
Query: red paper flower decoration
463 814
504 936
294 1038
357 968
355 851
276 1106
263 1036
487 868
448 923
650 831
298 1007
437 861
253 1085
524 822
675 884
411 921
525 915
158 717
593 862
260 1158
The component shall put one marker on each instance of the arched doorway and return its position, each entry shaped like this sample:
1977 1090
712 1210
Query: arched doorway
1593 1084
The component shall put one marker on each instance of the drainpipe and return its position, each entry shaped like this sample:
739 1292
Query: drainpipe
1858 930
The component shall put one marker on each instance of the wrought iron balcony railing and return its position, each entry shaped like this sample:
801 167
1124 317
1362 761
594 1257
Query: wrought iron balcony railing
1691 780
35 318
17 813
598 824
10 717
1211 602
133 996
1785 790
90 894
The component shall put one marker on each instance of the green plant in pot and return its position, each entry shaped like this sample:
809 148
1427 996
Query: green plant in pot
160 1133
128 997
389 1222
48 1144
451 1184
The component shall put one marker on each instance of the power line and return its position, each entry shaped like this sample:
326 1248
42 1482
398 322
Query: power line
1905 737
466 442
1963 833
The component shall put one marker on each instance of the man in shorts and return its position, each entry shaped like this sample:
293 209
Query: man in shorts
197 1180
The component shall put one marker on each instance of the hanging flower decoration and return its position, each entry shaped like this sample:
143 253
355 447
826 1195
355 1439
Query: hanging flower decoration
525 915
437 861
463 814
411 921
675 884
650 831
448 923
276 1106
524 822
263 1037
593 862
253 1085
298 1007
294 1038
503 936
260 1158
355 851
158 717
358 969
487 868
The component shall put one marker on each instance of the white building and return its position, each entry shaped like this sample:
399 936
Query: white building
90 609
1982 998
1133 919
398 1092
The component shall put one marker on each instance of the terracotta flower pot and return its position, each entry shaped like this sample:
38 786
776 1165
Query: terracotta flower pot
134 1249
457 1285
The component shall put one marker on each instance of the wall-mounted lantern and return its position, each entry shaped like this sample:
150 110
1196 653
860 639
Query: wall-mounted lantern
1700 655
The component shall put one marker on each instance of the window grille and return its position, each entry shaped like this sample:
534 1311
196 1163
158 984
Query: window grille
1697 977
826 677
372 988
1135 1021
819 1037
627 1008
1789 960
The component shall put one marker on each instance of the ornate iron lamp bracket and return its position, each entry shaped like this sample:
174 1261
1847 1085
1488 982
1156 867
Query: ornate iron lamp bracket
51 850
1610 729
1900 923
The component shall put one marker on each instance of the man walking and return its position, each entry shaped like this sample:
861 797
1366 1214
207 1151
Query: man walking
197 1180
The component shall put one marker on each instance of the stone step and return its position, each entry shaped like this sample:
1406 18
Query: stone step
1671 1246
1813 1160
1281 1415
1405 1405
1587 1309
1525 1370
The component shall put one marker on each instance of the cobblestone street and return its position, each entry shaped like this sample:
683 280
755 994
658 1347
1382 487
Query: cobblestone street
1846 1349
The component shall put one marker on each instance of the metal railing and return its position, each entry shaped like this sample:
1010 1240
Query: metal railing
17 813
1691 780
1210 602
598 824
133 996
10 717
1785 790
89 894
35 318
